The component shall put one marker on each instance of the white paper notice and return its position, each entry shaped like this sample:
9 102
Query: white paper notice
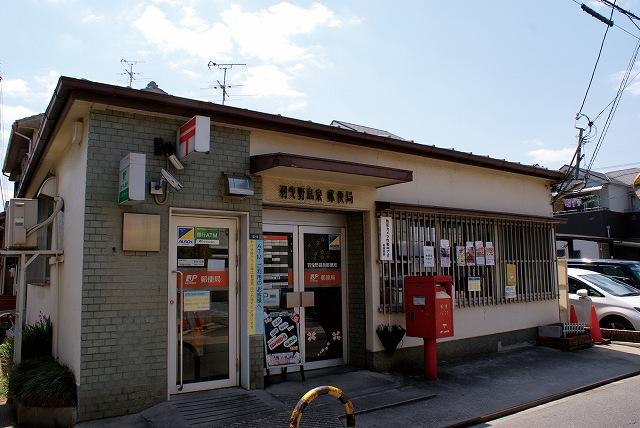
386 238
479 253
489 254
428 256
460 255
470 254
473 283
445 253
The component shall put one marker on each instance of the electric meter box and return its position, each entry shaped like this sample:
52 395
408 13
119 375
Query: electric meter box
132 187
428 306
194 138
22 215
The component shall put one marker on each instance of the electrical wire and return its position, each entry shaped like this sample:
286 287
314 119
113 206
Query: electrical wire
595 66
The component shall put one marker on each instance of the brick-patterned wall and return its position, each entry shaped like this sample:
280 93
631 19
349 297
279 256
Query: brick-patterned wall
124 295
355 287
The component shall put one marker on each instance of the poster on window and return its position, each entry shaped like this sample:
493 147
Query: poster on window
489 254
386 238
461 258
322 261
445 253
278 260
512 281
470 254
479 253
429 256
281 341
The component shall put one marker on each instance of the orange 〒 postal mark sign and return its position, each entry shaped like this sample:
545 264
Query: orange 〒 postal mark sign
206 279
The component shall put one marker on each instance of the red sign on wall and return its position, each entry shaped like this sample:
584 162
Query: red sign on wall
314 277
205 279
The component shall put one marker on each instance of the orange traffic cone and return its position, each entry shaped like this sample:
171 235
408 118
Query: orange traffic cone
573 317
594 328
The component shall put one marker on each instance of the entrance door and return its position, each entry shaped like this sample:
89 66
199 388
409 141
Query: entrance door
202 303
309 258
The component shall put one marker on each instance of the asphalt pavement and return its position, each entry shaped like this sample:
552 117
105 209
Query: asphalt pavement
613 405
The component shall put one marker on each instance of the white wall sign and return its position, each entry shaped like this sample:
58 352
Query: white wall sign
132 186
489 254
473 283
386 238
479 253
194 137
445 253
428 256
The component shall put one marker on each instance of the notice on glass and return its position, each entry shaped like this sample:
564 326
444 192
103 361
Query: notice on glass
512 281
473 283
196 301
271 298
460 256
445 253
429 256
479 253
470 254
190 262
489 254
386 238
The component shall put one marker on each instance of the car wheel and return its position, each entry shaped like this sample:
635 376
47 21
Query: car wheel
616 323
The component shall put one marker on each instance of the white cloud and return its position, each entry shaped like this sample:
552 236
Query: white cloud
9 115
91 18
269 81
552 156
16 87
48 82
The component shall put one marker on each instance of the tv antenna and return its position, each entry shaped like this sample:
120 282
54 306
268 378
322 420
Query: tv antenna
128 69
223 85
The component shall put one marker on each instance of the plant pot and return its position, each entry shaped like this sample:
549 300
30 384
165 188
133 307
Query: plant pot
49 417
390 336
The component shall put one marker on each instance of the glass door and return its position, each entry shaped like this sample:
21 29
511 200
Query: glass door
322 262
312 259
202 300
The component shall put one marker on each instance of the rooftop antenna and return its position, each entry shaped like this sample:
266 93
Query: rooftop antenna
223 85
129 71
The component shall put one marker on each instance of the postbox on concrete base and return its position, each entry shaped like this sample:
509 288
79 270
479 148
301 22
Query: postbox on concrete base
428 306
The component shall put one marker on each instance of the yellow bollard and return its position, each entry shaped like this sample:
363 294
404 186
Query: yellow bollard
296 415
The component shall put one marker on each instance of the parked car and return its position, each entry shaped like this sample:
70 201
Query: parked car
627 271
617 304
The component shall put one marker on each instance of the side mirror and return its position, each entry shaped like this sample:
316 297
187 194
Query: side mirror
582 292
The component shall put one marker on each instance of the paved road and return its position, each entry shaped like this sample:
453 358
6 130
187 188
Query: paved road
613 405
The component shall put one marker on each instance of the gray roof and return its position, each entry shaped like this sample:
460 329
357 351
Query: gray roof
624 176
365 129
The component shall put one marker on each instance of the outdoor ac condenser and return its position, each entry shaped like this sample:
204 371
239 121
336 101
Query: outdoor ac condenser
22 214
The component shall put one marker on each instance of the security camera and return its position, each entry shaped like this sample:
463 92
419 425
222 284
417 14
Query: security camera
177 186
176 162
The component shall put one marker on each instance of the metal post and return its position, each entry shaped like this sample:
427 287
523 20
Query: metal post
430 359
20 315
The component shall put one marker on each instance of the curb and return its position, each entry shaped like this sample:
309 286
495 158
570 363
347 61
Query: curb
540 401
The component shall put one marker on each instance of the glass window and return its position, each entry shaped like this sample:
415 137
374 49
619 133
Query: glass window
615 271
635 271
575 285
611 286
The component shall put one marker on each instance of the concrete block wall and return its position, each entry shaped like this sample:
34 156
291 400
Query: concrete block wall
357 346
124 294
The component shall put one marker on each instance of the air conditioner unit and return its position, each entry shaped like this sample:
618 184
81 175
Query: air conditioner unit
22 215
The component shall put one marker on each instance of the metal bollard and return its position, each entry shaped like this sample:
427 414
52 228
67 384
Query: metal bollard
296 415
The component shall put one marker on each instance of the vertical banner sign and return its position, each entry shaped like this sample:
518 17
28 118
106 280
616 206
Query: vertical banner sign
428 256
470 254
251 288
445 253
460 255
512 281
386 237
259 286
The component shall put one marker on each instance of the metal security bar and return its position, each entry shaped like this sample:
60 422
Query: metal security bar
529 245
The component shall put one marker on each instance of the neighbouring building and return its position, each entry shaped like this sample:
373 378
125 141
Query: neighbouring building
164 293
602 217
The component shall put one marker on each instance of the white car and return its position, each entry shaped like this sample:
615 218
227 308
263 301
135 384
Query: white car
617 304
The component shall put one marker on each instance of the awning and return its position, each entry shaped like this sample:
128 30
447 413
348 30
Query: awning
309 168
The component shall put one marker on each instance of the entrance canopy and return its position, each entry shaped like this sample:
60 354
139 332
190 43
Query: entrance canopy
309 168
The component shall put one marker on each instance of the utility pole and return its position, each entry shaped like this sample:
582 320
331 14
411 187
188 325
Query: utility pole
223 85
579 153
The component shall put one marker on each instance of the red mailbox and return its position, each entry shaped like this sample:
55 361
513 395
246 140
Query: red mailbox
428 305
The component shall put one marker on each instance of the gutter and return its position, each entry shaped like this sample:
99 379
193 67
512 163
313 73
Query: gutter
70 89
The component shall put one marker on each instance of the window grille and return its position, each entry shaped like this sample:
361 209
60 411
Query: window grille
528 244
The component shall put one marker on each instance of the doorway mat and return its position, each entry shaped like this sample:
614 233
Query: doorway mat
222 407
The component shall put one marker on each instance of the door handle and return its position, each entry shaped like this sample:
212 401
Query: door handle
181 327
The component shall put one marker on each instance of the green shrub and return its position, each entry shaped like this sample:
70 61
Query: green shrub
42 382
6 353
37 339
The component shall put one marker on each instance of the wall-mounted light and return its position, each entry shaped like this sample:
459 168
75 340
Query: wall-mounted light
238 185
